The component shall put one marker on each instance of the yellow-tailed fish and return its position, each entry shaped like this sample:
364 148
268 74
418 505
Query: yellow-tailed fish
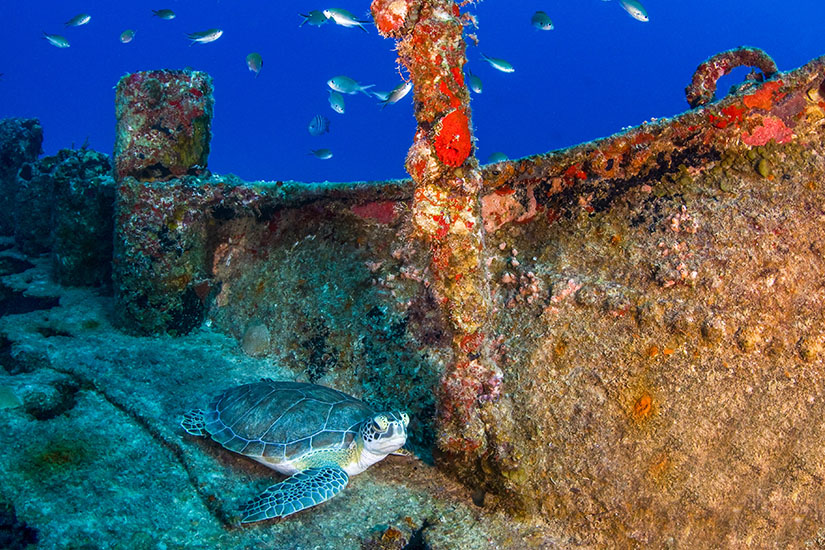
499 64
336 101
635 9
344 18
322 154
542 21
164 14
254 61
77 20
127 36
204 37
315 17
56 40
347 85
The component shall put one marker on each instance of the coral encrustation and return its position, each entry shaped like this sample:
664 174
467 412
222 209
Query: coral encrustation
164 121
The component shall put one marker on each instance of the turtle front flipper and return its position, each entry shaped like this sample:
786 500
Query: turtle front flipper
194 423
302 490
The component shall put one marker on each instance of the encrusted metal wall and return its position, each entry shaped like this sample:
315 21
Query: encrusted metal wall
656 320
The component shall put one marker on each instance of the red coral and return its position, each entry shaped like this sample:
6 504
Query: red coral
730 115
575 171
764 96
389 15
772 129
453 143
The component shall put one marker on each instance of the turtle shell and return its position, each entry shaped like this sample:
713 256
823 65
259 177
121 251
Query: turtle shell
279 422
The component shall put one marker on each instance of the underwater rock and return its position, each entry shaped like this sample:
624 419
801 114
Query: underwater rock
20 142
34 201
256 340
65 205
84 193
164 121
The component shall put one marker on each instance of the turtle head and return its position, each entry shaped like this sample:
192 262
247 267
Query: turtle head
385 432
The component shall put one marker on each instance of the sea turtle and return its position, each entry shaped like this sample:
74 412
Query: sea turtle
316 435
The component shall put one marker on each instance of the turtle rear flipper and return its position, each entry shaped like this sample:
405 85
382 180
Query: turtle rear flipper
302 490
194 423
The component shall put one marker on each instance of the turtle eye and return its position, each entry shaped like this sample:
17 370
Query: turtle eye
381 423
405 419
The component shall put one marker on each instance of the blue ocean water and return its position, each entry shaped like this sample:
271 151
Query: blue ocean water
599 70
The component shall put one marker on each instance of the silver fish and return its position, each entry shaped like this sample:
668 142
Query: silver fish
347 85
322 154
164 14
318 125
635 9
56 40
336 101
474 82
203 37
79 19
255 62
127 36
498 64
394 96
315 17
344 18
542 21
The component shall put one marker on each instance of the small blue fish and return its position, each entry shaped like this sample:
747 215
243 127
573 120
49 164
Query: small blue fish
255 62
344 18
474 82
395 95
498 64
635 9
164 14
56 40
77 20
315 18
203 37
336 101
542 21
498 156
318 125
127 36
347 85
322 154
